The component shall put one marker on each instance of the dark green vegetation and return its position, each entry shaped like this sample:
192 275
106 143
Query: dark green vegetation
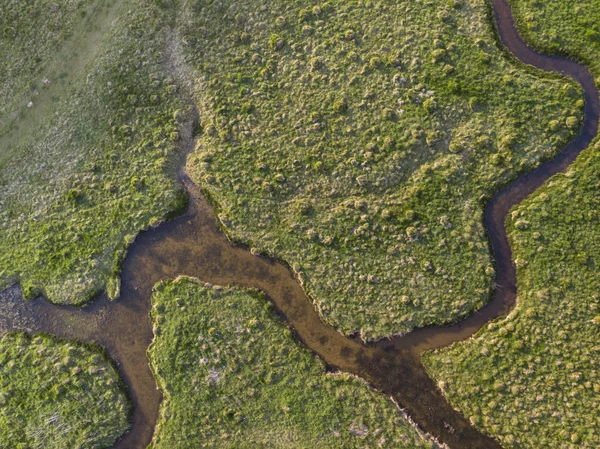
233 376
91 160
56 394
533 379
358 141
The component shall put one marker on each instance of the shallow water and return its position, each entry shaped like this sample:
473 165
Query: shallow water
193 245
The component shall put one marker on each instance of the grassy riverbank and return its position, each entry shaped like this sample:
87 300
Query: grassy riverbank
88 141
565 28
233 376
358 141
56 394
532 379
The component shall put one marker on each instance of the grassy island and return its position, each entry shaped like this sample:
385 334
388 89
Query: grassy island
233 376
56 394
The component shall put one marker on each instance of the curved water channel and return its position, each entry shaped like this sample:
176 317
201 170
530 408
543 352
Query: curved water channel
193 245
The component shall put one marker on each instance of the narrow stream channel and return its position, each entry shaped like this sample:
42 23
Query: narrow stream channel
193 245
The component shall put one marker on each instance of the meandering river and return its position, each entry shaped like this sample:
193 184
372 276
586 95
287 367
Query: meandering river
193 245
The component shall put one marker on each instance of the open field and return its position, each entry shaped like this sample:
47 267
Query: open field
56 394
92 161
233 376
358 141
532 379
32 32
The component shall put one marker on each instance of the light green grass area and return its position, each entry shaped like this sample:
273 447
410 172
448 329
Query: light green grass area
533 379
92 161
56 394
233 376
358 141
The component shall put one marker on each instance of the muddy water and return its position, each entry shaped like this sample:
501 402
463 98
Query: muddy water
193 245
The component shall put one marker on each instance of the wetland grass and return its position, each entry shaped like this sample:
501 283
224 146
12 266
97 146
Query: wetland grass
531 379
233 376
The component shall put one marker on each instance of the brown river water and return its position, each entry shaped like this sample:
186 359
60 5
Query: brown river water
194 245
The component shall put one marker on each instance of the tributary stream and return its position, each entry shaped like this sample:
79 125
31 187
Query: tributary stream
193 245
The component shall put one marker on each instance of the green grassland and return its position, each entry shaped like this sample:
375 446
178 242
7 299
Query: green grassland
55 394
31 32
566 28
233 376
358 141
532 379
92 161
355 140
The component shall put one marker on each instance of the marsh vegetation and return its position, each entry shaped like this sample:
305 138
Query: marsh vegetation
564 28
358 141
233 376
57 394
